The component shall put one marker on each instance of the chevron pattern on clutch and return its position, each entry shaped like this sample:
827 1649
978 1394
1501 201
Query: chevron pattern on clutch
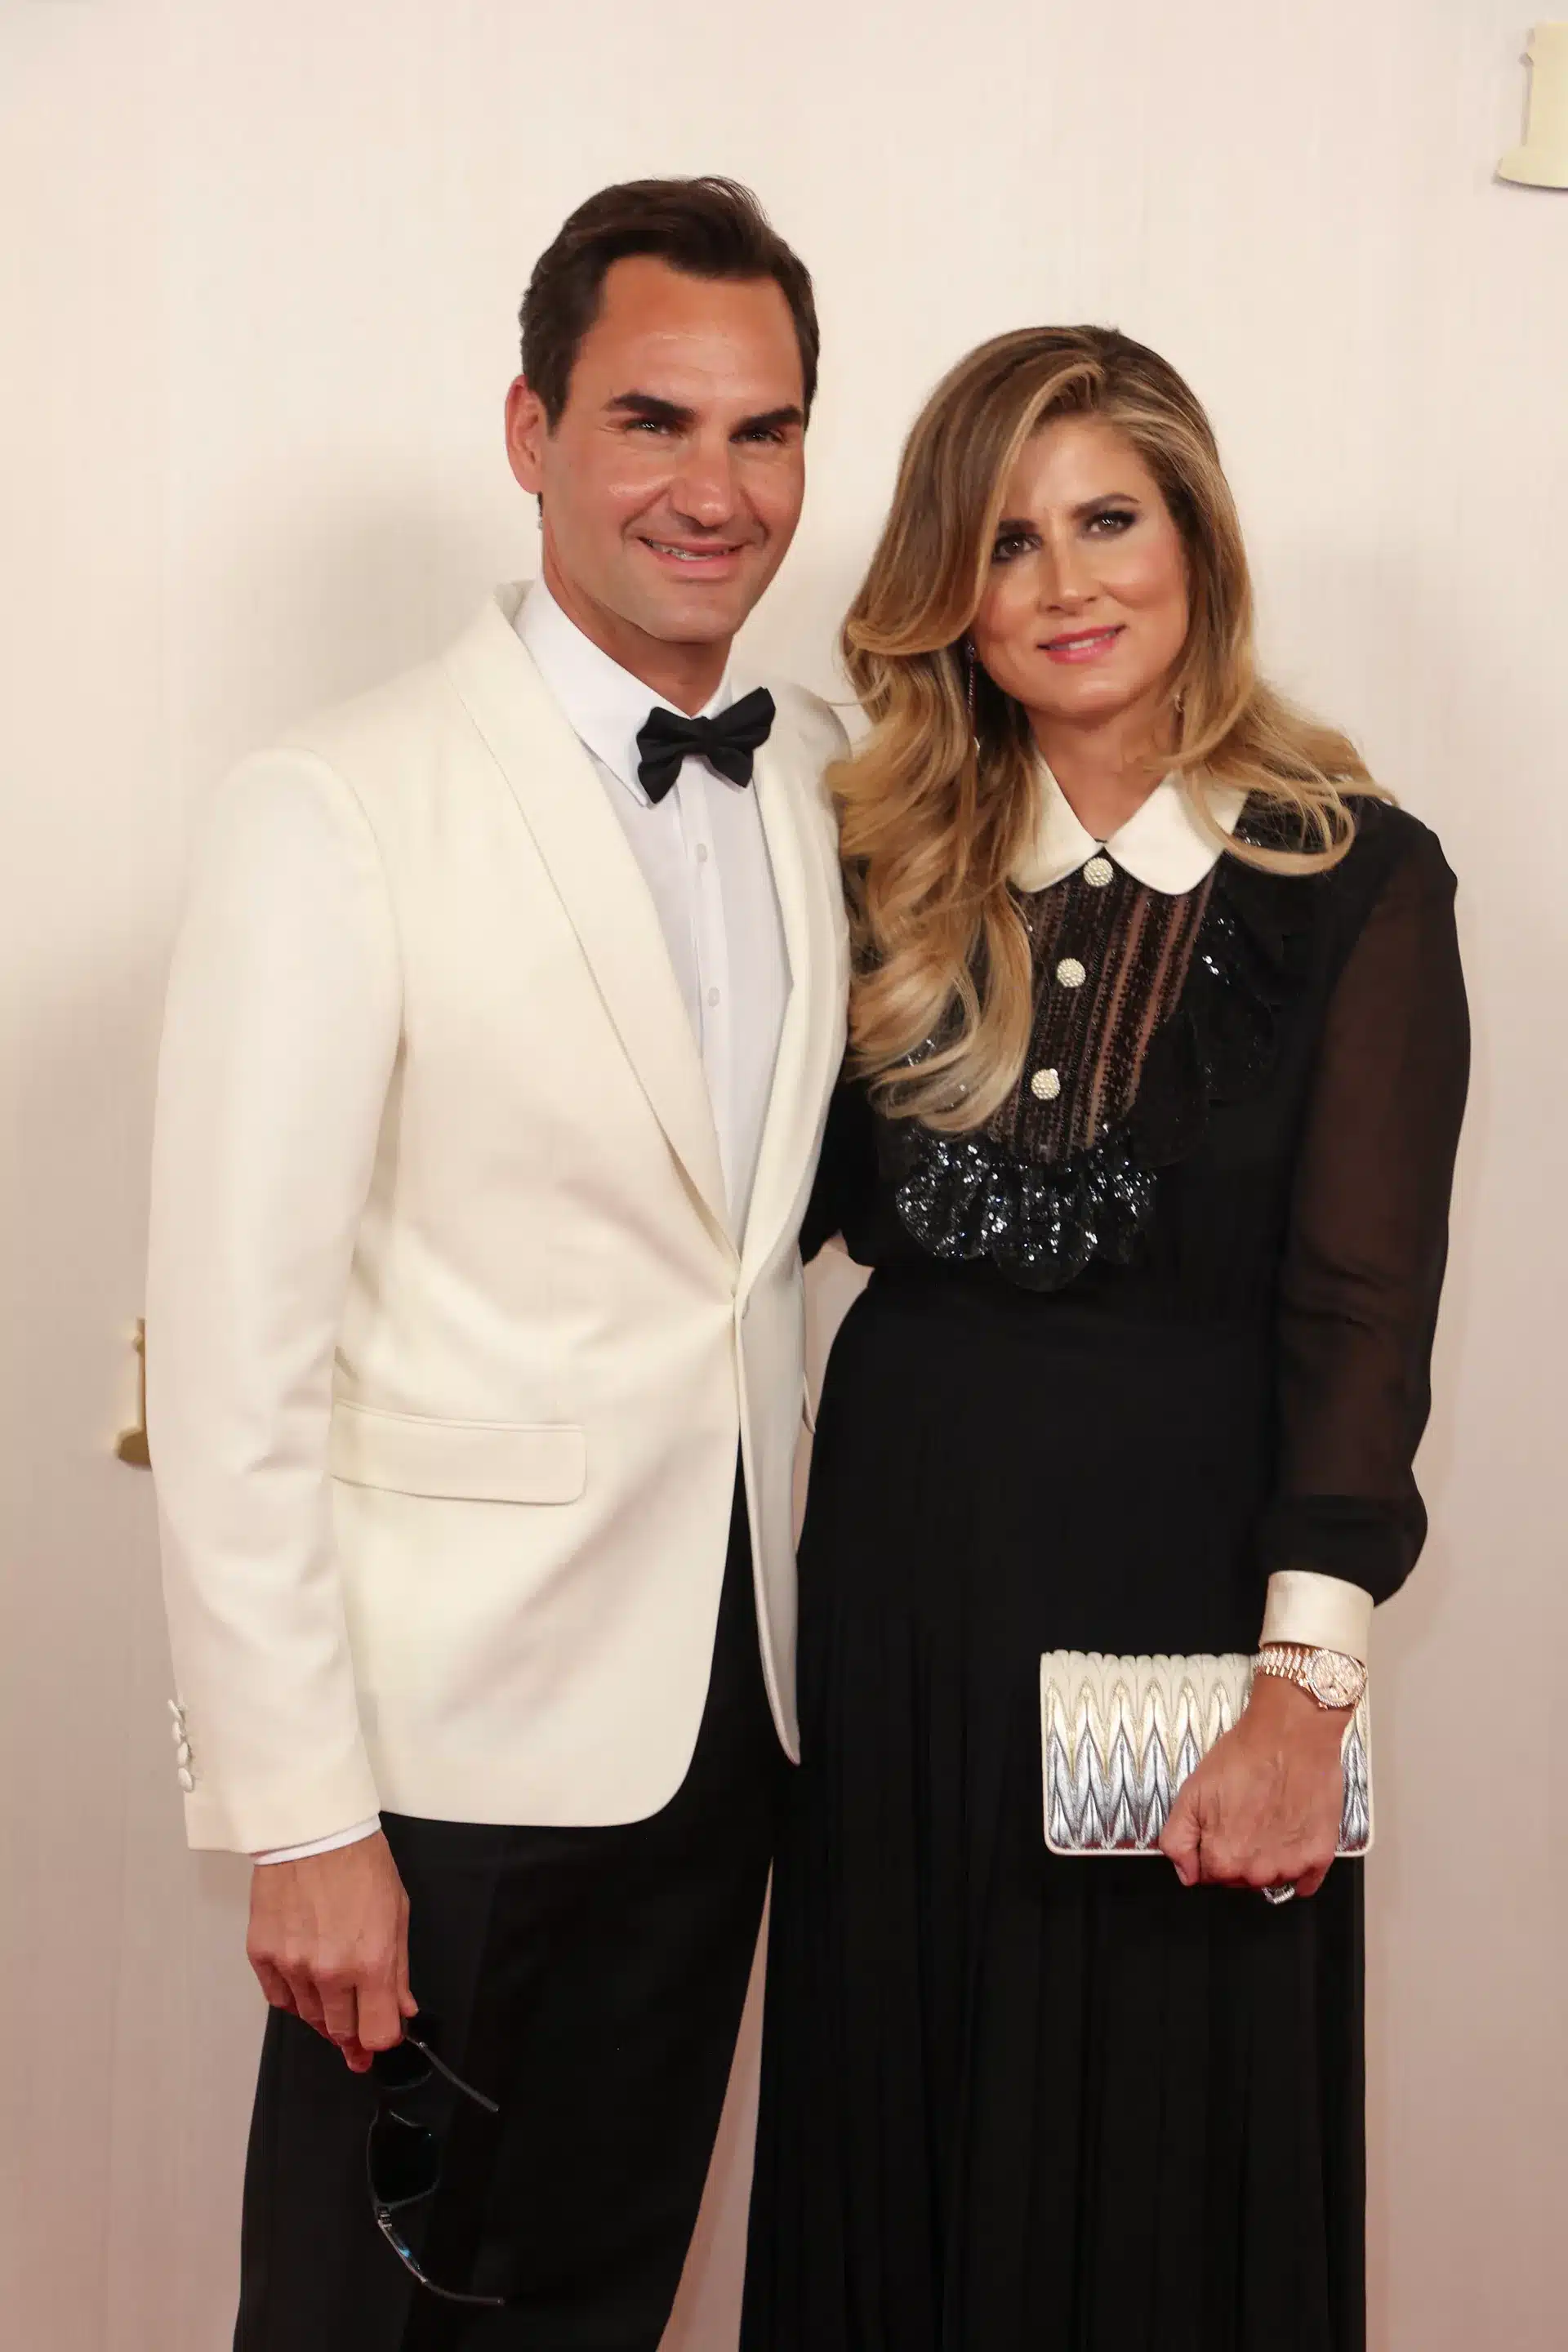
1118 1736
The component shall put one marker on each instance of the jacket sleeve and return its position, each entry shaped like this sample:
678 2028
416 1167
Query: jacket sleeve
1363 1263
280 1041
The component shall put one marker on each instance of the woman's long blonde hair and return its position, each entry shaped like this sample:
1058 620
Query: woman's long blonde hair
933 823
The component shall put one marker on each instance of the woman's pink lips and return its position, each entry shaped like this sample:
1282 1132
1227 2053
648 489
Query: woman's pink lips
1083 647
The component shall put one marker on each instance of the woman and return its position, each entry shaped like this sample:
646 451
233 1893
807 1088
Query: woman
1159 1054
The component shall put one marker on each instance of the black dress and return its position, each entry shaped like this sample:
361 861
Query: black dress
1161 1327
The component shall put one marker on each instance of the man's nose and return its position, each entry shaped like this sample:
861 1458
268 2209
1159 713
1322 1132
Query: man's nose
702 489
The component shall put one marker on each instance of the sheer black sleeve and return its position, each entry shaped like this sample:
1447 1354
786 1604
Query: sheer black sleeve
1364 1255
843 1195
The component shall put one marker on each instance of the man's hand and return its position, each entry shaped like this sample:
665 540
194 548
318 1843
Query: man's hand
329 1941
1264 1805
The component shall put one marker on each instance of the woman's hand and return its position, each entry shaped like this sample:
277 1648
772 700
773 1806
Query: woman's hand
1263 1808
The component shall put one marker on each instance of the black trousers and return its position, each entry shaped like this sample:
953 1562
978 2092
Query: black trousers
591 1981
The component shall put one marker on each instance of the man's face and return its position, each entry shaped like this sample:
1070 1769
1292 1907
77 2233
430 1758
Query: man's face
672 483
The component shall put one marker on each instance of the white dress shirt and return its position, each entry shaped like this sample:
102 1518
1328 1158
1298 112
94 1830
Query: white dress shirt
1163 846
704 856
705 860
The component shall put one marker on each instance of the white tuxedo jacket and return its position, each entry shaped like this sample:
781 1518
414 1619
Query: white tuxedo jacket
449 1348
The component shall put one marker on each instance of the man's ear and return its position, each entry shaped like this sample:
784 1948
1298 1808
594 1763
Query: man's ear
527 430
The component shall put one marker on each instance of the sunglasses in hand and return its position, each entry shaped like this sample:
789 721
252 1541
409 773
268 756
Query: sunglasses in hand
403 2156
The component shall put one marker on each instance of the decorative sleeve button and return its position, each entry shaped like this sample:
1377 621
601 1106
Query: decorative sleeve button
1070 974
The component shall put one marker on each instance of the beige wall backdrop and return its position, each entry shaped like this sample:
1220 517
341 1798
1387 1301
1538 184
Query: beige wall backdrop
259 266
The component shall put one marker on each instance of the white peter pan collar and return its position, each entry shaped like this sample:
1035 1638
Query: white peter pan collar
603 704
1162 845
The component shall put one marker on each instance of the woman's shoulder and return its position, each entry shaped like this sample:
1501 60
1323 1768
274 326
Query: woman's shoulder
1390 843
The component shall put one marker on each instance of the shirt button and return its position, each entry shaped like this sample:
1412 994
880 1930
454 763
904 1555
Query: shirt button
1098 873
702 852
712 996
1070 974
1046 1084
186 1778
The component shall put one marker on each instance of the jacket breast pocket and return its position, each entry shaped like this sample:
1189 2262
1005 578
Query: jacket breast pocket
461 1461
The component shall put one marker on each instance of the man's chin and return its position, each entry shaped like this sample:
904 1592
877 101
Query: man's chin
706 613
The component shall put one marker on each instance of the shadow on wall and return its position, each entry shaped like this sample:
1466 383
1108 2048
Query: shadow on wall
132 2077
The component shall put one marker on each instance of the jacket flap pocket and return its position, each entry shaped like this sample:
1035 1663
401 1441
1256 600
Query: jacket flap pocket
465 1460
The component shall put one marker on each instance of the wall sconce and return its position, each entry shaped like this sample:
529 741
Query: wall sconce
1542 161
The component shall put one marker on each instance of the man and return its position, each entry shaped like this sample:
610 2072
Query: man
500 1038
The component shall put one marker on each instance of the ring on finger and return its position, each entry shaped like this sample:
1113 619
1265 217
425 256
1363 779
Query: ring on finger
1284 1892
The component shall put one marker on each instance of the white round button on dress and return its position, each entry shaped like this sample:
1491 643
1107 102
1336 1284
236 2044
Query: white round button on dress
186 1778
1046 1086
1098 873
1070 972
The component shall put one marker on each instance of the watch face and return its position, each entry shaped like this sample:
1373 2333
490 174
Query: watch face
1336 1680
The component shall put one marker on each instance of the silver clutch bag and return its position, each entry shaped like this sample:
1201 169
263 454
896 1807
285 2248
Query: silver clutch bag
1118 1736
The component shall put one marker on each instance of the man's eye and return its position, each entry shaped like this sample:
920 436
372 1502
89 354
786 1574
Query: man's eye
768 436
648 425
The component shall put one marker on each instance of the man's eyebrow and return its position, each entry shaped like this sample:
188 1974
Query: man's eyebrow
648 408
646 405
772 420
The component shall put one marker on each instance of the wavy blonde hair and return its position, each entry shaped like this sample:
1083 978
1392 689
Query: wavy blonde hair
934 813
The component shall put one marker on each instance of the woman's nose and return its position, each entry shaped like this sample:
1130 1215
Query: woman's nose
1067 578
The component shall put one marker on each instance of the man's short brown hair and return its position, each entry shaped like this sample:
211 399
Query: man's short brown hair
706 228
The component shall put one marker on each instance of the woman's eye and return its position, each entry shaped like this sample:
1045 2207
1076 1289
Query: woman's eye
1113 522
1011 544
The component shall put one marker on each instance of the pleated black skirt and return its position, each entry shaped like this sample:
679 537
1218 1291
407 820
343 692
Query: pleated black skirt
1011 2100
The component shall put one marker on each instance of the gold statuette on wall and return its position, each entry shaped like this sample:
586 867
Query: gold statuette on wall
132 1444
1542 161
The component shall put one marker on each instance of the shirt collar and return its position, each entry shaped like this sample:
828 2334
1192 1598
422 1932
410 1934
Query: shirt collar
603 703
1161 845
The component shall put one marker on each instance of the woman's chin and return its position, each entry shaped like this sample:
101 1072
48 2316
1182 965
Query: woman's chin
1074 702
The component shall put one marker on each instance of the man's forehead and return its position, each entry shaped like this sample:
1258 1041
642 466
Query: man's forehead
693 329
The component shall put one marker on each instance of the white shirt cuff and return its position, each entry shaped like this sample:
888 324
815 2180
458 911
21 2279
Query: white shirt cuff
1320 1612
322 1845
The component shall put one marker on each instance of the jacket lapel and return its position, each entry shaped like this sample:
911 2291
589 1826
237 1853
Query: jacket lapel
597 877
805 861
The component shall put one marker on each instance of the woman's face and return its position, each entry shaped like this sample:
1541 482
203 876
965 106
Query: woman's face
1086 610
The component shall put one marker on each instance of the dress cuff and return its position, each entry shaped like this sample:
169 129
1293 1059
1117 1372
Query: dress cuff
1319 1612
320 1845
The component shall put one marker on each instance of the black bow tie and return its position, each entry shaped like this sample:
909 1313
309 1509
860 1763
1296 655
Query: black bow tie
727 742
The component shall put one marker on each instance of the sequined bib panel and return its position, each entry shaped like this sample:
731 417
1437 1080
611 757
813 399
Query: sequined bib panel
1149 1007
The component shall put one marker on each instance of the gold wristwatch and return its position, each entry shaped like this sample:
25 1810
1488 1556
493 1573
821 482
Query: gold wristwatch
1327 1675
